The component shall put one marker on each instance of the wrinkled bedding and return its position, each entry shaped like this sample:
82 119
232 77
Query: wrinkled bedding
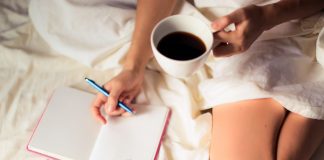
30 71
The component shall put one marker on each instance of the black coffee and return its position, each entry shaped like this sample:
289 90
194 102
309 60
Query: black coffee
181 46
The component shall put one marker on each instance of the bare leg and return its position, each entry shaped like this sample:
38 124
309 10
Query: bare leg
246 130
299 137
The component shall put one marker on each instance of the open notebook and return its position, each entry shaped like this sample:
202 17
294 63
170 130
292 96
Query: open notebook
67 130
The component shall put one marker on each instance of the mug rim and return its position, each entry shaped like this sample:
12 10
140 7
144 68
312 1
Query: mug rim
174 60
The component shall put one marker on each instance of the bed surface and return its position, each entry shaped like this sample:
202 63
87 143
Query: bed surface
30 71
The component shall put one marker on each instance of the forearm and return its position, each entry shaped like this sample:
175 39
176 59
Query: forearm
286 10
148 13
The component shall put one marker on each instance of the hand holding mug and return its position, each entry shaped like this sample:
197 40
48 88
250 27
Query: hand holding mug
249 25
249 22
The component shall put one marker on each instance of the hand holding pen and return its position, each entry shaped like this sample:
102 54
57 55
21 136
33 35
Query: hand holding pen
122 89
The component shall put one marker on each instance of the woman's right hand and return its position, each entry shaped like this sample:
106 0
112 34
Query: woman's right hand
127 84
124 87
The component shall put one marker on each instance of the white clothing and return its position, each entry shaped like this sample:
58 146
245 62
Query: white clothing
275 65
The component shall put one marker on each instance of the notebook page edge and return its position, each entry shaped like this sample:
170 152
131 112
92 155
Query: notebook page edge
163 132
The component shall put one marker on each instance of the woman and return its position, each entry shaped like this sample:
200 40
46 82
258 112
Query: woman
277 132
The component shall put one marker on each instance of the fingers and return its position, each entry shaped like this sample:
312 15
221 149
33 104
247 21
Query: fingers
120 89
128 102
95 108
126 99
114 94
229 39
228 46
100 100
223 36
232 42
117 93
221 23
225 50
118 111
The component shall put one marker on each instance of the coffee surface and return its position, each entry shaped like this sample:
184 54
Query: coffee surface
181 46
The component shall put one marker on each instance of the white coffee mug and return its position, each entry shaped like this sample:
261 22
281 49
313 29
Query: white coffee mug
181 23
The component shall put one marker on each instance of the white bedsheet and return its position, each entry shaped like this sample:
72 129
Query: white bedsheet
30 71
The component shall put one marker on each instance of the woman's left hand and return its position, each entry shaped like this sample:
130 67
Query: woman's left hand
249 22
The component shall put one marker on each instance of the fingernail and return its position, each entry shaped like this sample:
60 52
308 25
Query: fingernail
215 29
214 24
127 114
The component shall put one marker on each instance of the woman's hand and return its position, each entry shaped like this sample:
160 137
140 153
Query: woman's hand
127 84
249 22
124 87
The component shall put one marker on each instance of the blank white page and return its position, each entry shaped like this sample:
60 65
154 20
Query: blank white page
135 137
67 129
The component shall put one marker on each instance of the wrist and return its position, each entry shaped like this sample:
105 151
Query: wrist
132 65
270 16
139 54
136 61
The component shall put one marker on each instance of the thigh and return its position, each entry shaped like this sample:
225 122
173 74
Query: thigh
246 130
299 137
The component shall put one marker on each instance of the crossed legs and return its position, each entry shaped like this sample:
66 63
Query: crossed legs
262 129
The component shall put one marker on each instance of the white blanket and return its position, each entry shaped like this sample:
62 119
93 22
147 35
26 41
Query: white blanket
30 70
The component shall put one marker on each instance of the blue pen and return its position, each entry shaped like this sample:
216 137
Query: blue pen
103 91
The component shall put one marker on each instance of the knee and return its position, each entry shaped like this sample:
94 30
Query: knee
246 130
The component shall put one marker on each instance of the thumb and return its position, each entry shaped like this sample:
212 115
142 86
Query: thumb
223 22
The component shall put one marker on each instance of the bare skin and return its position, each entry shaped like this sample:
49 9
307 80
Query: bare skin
246 130
251 21
262 129
251 129
298 137
127 84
